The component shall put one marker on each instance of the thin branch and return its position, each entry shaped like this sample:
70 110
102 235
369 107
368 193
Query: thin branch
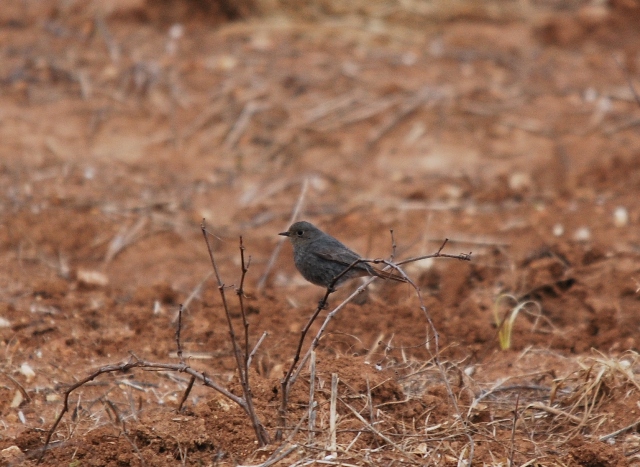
294 215
232 335
256 347
241 123
438 254
178 328
628 78
410 105
513 431
126 236
371 428
372 417
316 340
312 389
333 418
284 384
240 292
243 373
620 431
393 246
291 375
186 393
554 411
194 293
25 394
135 362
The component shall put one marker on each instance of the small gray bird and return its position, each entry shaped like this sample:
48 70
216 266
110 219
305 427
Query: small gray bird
320 258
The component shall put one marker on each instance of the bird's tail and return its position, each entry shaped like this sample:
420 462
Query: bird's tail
388 275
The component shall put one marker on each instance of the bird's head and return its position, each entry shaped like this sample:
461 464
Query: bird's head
301 232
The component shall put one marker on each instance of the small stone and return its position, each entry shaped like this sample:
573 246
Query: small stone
92 278
52 397
27 371
558 230
18 398
520 181
11 454
583 234
621 217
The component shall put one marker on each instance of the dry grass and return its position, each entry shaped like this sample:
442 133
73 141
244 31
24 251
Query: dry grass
352 429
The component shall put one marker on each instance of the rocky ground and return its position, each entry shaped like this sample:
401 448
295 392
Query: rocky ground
511 130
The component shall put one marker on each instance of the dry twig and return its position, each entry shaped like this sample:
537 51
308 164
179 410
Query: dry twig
276 251
294 370
241 363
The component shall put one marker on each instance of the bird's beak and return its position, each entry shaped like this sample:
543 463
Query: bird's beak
284 234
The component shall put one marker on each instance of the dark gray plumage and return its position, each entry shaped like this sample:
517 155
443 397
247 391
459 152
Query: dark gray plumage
320 258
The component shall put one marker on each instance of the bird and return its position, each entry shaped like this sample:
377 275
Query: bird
320 258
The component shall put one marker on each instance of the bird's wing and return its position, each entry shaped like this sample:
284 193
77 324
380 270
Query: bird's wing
337 253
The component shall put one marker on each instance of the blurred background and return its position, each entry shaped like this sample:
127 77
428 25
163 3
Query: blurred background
509 127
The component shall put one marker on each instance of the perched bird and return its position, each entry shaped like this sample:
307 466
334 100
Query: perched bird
320 258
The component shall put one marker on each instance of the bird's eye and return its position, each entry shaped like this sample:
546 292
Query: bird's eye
299 232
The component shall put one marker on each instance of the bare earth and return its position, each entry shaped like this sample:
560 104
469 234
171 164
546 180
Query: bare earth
514 134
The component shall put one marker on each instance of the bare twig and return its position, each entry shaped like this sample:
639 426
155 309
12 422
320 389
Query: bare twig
376 432
332 413
312 402
359 290
284 384
372 418
438 254
280 452
359 112
256 347
112 46
126 237
178 329
240 292
620 431
293 372
337 104
276 251
513 431
194 293
393 246
554 411
628 78
186 393
243 373
240 125
410 105
242 361
135 362
25 394
436 336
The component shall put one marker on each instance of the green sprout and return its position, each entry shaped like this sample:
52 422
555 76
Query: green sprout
505 323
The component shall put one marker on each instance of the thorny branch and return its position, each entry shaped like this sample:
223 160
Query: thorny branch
292 373
242 361
136 362
243 372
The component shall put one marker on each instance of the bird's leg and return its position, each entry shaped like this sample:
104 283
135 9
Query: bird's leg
322 304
